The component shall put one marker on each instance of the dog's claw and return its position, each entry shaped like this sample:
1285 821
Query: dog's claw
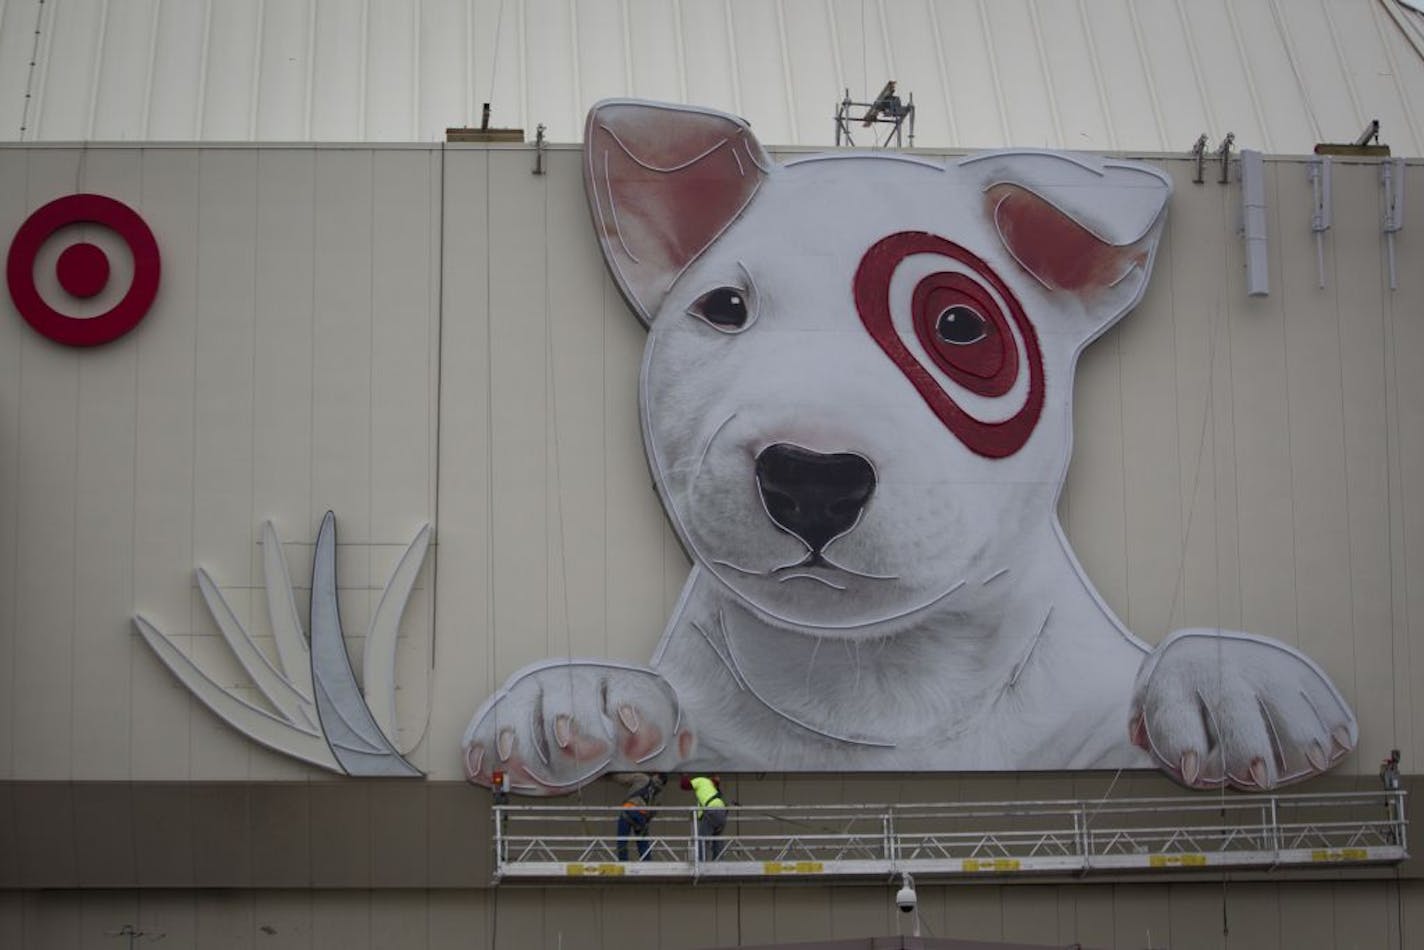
1137 732
474 758
1258 773
563 730
506 743
1340 737
629 717
1191 767
1315 753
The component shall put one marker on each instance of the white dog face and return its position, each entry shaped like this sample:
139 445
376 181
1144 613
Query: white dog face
856 389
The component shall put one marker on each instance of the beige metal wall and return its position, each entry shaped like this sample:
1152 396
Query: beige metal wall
1252 463
1322 915
350 328
289 365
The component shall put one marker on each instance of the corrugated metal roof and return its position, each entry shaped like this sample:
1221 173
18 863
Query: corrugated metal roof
1136 75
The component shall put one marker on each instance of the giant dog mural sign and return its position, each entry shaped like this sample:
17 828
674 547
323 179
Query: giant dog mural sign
856 407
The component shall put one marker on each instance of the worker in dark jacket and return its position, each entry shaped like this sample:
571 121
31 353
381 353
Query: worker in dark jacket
711 815
636 813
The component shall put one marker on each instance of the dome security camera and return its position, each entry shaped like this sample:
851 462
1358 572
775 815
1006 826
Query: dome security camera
905 898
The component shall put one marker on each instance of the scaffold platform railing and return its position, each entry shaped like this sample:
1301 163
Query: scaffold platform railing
959 840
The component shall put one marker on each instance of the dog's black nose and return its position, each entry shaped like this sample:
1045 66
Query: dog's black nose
813 496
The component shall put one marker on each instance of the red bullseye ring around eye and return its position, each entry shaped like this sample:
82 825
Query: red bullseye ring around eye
990 372
83 270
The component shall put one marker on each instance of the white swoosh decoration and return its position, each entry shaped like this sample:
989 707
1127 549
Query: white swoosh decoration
319 713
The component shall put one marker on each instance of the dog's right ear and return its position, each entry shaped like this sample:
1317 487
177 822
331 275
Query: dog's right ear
663 183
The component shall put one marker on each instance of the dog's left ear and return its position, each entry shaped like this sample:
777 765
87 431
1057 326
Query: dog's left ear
1078 224
663 182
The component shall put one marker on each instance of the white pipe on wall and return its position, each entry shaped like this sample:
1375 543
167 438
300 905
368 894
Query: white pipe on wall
1319 173
1392 178
1253 206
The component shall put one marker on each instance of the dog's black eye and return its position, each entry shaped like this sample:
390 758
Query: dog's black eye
961 326
724 308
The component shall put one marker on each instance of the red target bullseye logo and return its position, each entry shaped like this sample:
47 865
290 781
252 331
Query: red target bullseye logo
83 270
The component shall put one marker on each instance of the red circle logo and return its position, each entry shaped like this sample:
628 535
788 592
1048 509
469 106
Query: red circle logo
83 270
965 332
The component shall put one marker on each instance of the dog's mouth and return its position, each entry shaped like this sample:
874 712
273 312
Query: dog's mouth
815 567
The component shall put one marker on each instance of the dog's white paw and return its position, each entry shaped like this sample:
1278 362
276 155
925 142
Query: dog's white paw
1218 707
555 726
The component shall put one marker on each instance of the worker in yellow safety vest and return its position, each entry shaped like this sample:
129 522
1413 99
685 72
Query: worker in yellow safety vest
711 815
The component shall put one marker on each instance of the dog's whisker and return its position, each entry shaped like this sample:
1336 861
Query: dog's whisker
803 562
707 446
865 574
746 570
996 575
810 577
811 665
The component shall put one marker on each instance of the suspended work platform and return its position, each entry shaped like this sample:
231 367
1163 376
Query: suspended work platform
960 840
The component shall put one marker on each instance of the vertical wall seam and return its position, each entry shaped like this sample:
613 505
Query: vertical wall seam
1184 511
363 72
254 91
1043 64
1283 29
251 528
987 32
552 456
1343 61
1398 600
417 25
523 37
491 644
1278 304
435 402
942 67
1190 40
469 63
605 283
133 537
1235 453
1250 79
310 92
147 108
74 539
1393 61
199 110
11 695
836 62
1097 68
735 70
190 701
1144 61
1122 470
785 51
94 80
626 21
679 51
4 7
39 70
575 59
886 49
373 157
1345 453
